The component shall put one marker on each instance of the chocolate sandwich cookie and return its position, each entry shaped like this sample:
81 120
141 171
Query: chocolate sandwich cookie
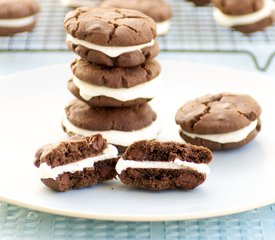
111 36
221 121
248 17
17 16
102 86
120 126
158 10
200 2
77 163
153 165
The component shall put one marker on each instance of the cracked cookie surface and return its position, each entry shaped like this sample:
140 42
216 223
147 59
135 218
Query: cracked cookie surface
105 119
115 77
18 8
110 26
218 114
159 10
221 113
233 7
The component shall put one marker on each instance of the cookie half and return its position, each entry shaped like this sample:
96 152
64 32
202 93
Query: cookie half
111 36
158 10
102 86
120 126
77 163
220 121
248 17
17 16
154 165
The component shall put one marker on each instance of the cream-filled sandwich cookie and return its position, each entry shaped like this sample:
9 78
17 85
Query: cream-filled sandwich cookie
221 121
248 17
102 86
17 16
76 163
154 165
120 126
159 10
111 36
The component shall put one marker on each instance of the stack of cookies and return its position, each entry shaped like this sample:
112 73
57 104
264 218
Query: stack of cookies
115 76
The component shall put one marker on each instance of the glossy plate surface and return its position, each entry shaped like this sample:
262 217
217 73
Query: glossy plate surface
32 105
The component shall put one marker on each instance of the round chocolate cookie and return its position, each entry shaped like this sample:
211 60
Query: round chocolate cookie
120 126
154 165
248 17
17 16
220 121
102 86
158 10
110 36
76 163
200 2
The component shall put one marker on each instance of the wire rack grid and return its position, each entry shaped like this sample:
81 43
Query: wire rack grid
193 30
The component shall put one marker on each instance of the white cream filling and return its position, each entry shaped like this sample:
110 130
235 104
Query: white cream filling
163 27
176 164
17 22
109 51
121 138
144 90
231 137
79 3
230 21
46 171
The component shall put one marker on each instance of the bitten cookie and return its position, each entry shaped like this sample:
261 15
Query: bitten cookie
110 36
153 165
76 163
248 17
102 86
200 2
120 126
17 16
158 10
221 121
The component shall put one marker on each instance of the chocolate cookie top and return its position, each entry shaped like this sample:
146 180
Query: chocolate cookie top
110 26
235 7
115 77
73 150
166 151
159 10
221 113
10 9
105 119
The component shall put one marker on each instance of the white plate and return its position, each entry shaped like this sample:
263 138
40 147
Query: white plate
32 106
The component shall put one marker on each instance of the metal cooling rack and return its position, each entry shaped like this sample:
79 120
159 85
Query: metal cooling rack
193 30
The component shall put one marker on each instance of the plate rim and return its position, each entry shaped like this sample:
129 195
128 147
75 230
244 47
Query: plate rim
142 218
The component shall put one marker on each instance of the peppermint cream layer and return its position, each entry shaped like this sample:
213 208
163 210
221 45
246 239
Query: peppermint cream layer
163 27
231 137
17 22
121 138
112 51
47 172
230 21
79 3
176 164
144 90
